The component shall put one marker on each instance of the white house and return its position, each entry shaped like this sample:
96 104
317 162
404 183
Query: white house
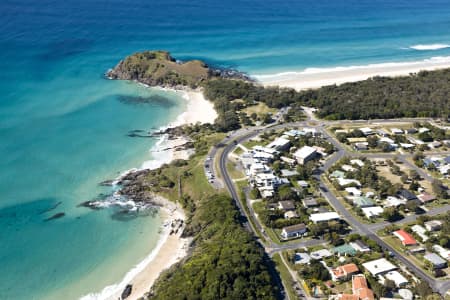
305 154
379 266
372 212
420 231
395 276
293 231
279 144
324 217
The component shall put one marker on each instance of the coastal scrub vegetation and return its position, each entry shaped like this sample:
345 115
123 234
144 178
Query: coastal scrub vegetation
227 263
425 94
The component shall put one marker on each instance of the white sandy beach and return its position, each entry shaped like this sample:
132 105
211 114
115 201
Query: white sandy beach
171 248
317 77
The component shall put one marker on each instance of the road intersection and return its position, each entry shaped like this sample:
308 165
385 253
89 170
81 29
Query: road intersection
229 144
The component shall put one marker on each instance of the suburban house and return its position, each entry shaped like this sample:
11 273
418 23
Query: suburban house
344 250
293 231
420 231
366 131
324 217
361 146
396 277
379 266
360 288
435 260
344 272
290 214
372 211
360 246
425 197
286 205
396 131
305 154
405 238
310 202
433 225
362 201
406 195
319 254
444 253
302 258
279 144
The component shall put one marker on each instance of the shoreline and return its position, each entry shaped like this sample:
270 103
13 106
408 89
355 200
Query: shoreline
312 78
170 248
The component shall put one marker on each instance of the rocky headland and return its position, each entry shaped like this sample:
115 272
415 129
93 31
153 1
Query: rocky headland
159 68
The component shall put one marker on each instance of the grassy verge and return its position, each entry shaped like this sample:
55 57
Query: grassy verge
285 276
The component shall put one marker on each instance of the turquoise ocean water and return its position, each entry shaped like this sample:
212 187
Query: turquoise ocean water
63 126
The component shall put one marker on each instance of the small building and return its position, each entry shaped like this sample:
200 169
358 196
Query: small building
426 198
302 258
345 182
392 201
279 144
344 250
337 174
303 184
324 217
360 288
372 212
344 272
433 225
353 191
348 168
290 215
444 253
435 144
361 146
288 160
382 132
367 131
406 195
411 130
353 140
319 254
396 131
305 154
362 201
357 162
423 129
310 202
286 205
435 260
420 231
379 266
288 173
397 278
293 231
405 238
360 246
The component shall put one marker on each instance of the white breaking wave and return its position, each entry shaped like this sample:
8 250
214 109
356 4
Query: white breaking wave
113 291
267 78
428 47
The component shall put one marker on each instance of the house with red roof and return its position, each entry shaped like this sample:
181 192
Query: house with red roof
405 238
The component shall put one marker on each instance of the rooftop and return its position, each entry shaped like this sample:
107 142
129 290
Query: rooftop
379 266
305 152
326 216
405 237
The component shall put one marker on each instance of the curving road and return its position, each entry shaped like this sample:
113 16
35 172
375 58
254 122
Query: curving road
230 143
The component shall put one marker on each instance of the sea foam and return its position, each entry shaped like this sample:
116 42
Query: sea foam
429 47
433 61
114 291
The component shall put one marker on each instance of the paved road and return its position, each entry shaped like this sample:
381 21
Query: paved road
440 286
